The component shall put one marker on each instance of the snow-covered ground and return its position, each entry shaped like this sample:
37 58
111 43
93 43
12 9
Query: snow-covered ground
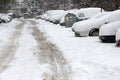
88 58
25 65
84 58
6 33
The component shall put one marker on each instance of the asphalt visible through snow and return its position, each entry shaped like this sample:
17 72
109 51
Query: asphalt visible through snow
48 53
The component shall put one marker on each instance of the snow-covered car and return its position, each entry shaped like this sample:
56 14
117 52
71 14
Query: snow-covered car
12 15
56 15
26 15
108 31
5 18
91 27
71 12
118 38
81 14
53 15
44 16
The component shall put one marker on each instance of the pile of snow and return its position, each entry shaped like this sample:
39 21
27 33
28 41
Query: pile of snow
87 57
87 25
109 29
118 35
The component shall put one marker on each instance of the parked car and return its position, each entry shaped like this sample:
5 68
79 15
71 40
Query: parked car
108 31
44 16
26 15
76 15
53 16
56 16
118 38
5 18
91 27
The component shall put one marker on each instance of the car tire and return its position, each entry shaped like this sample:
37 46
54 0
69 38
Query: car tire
94 32
77 35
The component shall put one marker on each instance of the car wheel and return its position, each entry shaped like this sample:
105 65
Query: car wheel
77 35
94 32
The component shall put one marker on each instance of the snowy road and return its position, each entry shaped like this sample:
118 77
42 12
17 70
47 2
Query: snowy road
39 50
33 58
9 50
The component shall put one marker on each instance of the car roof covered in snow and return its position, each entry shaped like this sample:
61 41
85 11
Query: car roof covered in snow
89 12
84 13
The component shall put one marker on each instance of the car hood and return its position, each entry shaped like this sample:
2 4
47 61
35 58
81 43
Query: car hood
110 28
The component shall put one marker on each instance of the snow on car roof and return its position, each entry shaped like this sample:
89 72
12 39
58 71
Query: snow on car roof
89 12
99 15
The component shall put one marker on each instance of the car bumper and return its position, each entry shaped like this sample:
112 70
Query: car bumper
81 34
107 39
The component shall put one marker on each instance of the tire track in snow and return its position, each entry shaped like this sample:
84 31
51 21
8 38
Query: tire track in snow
11 48
50 55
